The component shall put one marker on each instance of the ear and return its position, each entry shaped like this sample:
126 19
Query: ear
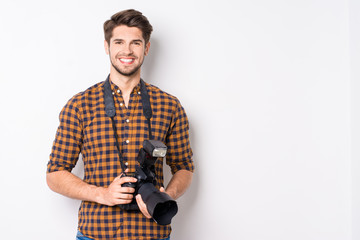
147 48
106 46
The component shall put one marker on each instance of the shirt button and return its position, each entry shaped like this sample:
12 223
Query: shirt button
127 120
121 104
126 163
139 92
113 93
127 141
118 91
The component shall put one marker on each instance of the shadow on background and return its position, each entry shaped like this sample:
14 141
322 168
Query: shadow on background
151 63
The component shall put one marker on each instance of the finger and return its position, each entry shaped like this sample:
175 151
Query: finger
127 179
142 206
119 198
122 174
118 177
123 201
127 190
124 196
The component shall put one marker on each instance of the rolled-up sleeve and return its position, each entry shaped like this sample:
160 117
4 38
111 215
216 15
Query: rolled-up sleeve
179 154
68 141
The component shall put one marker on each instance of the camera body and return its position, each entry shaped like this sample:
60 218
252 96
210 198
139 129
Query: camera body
159 204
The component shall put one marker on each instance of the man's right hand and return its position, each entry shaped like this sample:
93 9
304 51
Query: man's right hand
115 194
69 185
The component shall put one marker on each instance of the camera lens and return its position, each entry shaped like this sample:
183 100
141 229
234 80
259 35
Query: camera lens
159 204
164 211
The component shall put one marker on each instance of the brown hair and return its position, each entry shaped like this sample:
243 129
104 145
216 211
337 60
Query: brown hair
130 18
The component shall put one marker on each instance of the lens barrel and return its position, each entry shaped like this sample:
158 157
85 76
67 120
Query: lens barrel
159 204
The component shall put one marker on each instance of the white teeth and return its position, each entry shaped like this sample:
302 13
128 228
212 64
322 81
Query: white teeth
127 60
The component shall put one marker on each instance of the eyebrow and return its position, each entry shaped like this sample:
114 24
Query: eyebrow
119 39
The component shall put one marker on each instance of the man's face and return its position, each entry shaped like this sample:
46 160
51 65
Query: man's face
127 50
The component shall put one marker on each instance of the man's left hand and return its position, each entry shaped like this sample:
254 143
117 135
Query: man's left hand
142 205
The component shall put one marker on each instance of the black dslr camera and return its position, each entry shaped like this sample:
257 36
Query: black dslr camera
160 205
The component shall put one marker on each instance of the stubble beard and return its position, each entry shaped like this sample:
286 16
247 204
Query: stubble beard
127 74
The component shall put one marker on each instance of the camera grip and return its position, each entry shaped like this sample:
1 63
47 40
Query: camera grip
133 205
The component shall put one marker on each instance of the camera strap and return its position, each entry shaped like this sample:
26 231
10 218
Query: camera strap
111 111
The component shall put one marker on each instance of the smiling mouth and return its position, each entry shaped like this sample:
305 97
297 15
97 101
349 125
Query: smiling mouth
127 60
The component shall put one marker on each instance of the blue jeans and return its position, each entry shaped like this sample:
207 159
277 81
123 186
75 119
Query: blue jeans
80 236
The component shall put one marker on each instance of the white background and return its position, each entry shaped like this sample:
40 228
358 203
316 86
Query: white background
270 89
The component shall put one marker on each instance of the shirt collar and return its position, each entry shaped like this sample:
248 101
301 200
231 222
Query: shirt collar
116 90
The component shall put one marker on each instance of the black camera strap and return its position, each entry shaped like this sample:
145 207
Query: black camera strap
145 99
111 111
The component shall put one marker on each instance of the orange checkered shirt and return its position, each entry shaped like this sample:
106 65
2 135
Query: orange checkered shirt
84 128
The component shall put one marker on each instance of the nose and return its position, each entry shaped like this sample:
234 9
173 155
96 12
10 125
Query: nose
127 49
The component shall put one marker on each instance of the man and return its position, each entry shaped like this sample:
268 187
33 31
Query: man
86 128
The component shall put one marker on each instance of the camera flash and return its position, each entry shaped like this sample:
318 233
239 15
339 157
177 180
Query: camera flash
159 152
155 148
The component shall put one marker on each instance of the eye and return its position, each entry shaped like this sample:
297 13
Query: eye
118 41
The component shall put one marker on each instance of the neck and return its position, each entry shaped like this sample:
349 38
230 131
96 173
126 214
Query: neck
125 83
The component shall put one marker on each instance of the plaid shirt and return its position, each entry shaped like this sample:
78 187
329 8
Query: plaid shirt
84 128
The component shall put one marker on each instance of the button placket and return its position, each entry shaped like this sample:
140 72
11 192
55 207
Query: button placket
126 114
